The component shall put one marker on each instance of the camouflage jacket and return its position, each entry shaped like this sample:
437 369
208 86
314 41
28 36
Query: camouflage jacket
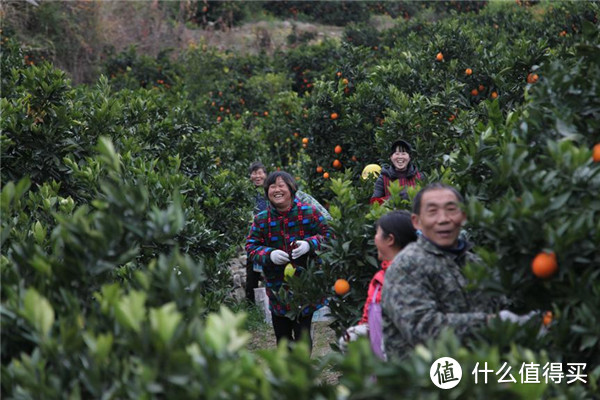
424 291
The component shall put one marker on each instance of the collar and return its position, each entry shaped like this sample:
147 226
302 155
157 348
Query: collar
462 247
275 211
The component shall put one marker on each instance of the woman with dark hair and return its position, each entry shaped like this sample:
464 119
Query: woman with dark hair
402 172
287 232
393 232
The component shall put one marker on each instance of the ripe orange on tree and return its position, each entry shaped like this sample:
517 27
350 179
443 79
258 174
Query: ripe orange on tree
341 287
439 56
334 115
326 175
338 74
337 164
547 319
481 87
596 153
544 265
532 78
305 140
494 95
468 71
345 81
338 149
474 92
319 169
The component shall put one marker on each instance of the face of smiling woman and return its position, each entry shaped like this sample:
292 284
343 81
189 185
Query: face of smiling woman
279 195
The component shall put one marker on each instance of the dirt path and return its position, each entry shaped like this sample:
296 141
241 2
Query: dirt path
323 336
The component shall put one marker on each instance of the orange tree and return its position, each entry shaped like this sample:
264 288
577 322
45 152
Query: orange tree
92 266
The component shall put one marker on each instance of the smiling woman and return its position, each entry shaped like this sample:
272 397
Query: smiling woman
402 171
288 232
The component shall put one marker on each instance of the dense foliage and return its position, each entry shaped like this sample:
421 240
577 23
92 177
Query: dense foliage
122 201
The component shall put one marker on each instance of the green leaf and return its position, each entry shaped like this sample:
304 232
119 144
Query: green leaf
130 310
164 321
39 232
38 311
108 153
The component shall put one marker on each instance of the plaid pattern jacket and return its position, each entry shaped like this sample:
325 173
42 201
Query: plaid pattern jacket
272 230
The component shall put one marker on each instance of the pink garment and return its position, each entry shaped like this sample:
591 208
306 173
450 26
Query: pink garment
376 281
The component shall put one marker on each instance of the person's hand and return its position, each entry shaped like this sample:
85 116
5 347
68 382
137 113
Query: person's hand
351 334
302 247
279 257
506 315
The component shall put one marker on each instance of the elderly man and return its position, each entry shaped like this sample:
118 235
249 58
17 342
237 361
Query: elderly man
424 289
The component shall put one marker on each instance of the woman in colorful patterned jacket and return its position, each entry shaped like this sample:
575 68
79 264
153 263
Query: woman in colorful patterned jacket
287 232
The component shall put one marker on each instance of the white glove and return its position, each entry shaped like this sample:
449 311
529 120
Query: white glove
302 247
506 315
351 334
279 257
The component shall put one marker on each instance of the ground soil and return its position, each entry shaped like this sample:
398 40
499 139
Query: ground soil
264 338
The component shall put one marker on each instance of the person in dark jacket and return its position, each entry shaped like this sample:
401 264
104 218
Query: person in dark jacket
402 172
258 174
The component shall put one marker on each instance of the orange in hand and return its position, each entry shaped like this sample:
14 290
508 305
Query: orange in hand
341 287
544 265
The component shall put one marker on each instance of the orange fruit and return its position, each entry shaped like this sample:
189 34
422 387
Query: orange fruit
305 140
494 95
319 169
544 265
266 113
338 149
341 287
439 56
532 78
326 175
338 74
296 134
337 164
468 71
547 319
596 153
304 145
345 81
481 87
334 115
474 92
